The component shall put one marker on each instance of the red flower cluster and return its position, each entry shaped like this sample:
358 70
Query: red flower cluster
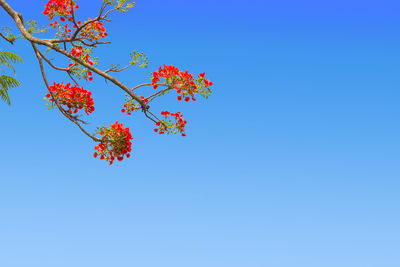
116 143
73 97
94 31
131 105
78 52
168 72
59 8
167 126
207 83
183 82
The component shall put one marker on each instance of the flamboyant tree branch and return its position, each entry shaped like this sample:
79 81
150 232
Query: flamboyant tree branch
115 141
17 17
51 64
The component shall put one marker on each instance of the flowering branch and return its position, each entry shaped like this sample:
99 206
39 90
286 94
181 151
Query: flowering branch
78 44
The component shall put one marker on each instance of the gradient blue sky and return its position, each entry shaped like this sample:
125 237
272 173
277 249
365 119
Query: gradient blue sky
293 161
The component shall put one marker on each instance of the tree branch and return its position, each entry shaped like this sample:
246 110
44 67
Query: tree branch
17 17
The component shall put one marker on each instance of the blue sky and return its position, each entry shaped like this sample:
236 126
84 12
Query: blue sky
293 161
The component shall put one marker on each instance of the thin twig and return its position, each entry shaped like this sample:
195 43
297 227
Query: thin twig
147 84
11 41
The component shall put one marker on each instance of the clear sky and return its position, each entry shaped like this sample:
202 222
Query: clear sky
293 160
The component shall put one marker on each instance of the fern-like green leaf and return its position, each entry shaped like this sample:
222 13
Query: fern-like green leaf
6 83
7 59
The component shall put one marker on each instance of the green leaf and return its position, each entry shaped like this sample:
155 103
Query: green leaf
7 59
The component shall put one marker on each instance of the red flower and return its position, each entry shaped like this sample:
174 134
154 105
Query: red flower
73 97
58 8
182 81
93 31
116 143
207 83
145 100
167 126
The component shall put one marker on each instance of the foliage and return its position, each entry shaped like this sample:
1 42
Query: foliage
7 59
